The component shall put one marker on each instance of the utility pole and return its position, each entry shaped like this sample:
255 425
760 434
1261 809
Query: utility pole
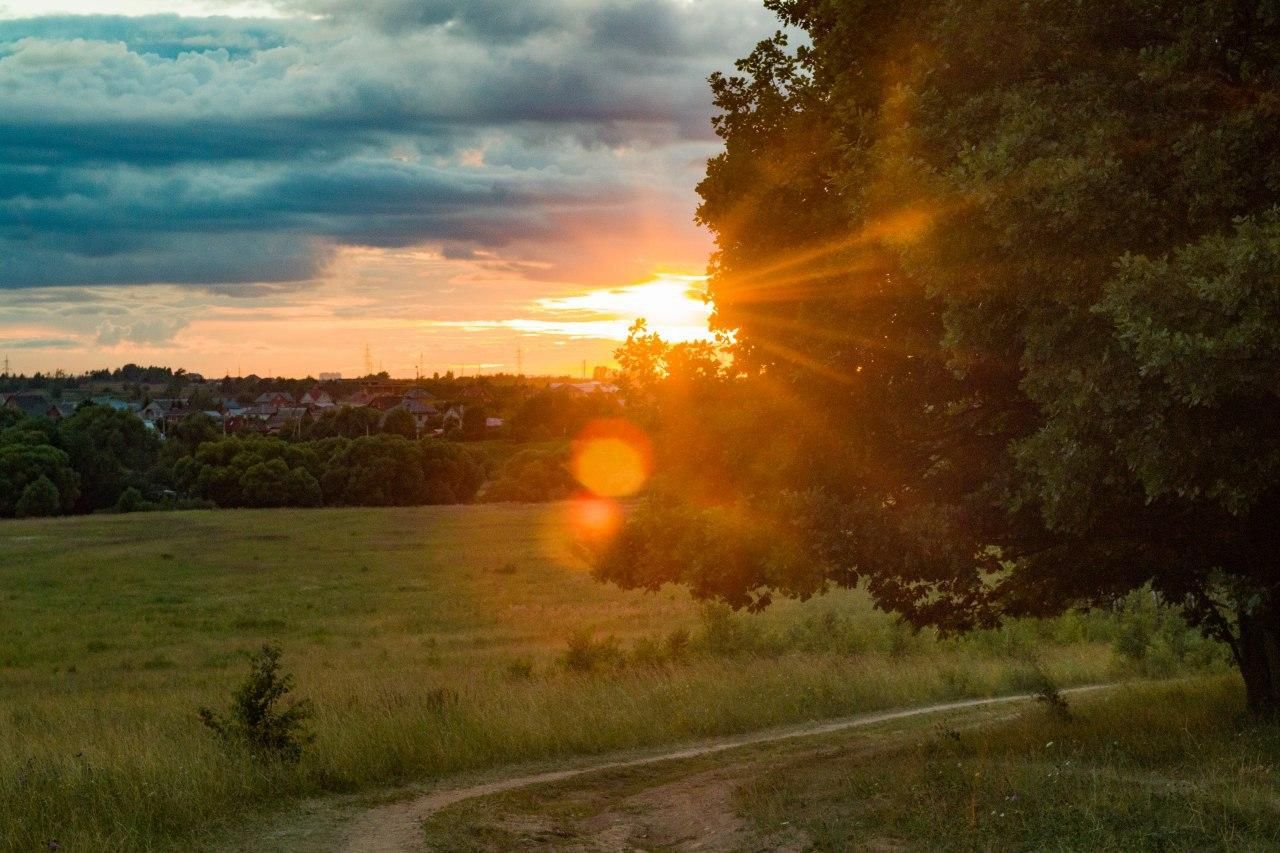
368 360
6 364
519 361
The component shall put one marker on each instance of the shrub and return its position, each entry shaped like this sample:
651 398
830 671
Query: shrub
1048 694
587 654
728 634
258 722
532 476
1153 639
131 500
520 670
39 498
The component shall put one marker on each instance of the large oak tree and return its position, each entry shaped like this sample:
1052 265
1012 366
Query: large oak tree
1017 262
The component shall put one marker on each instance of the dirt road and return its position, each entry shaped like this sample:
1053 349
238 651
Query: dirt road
398 826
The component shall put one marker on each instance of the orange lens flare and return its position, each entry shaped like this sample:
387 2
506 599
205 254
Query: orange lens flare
594 518
612 458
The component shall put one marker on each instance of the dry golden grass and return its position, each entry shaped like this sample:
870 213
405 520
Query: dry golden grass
117 628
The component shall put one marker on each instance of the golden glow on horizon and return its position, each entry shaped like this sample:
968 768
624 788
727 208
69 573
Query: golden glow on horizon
673 306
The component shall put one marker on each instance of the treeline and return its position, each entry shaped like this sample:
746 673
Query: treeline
102 459
376 470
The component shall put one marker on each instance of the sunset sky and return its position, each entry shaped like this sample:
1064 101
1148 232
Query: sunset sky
269 186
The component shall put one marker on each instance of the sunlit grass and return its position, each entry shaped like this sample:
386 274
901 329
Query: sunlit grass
431 641
1151 767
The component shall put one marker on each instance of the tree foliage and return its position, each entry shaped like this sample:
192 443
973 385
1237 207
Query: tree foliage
1028 298
110 450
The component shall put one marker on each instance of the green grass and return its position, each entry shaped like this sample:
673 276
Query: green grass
1171 767
115 629
1167 766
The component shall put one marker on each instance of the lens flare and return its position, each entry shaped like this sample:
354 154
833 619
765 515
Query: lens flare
593 518
612 458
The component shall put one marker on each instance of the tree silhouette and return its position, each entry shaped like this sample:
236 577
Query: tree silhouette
1029 298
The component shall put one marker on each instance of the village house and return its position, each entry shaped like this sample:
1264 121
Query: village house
317 398
285 420
159 414
32 404
583 389
275 399
423 413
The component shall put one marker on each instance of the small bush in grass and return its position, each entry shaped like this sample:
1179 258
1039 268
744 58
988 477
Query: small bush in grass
587 654
258 720
728 634
1048 694
678 644
131 500
520 670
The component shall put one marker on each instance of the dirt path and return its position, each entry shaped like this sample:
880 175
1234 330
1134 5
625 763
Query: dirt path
397 826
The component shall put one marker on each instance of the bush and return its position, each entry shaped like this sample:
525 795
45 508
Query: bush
258 722
131 500
533 476
729 634
1048 694
1153 639
23 462
39 499
587 654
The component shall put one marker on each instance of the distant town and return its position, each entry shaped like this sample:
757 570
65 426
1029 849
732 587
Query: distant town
162 397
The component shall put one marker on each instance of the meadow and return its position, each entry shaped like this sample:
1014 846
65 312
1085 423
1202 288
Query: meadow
431 640
1168 766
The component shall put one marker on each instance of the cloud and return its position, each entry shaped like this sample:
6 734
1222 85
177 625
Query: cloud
38 343
145 332
224 152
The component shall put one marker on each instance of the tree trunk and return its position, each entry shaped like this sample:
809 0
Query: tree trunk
1258 654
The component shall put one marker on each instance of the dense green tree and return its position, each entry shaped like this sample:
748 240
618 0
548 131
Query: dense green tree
1029 298
191 432
39 499
474 422
399 422
131 500
379 470
533 476
345 421
559 413
110 450
453 474
23 464
302 489
264 484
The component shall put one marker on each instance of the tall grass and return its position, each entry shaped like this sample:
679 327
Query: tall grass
1150 767
431 640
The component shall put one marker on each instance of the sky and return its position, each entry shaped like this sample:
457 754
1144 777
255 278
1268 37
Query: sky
270 186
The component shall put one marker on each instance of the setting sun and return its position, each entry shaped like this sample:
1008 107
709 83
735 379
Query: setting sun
673 306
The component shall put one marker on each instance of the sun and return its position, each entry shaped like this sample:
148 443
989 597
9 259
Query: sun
673 306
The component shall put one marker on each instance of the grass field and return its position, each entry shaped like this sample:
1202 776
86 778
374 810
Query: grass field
1166 766
431 640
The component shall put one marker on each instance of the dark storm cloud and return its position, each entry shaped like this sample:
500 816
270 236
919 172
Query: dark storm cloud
220 151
